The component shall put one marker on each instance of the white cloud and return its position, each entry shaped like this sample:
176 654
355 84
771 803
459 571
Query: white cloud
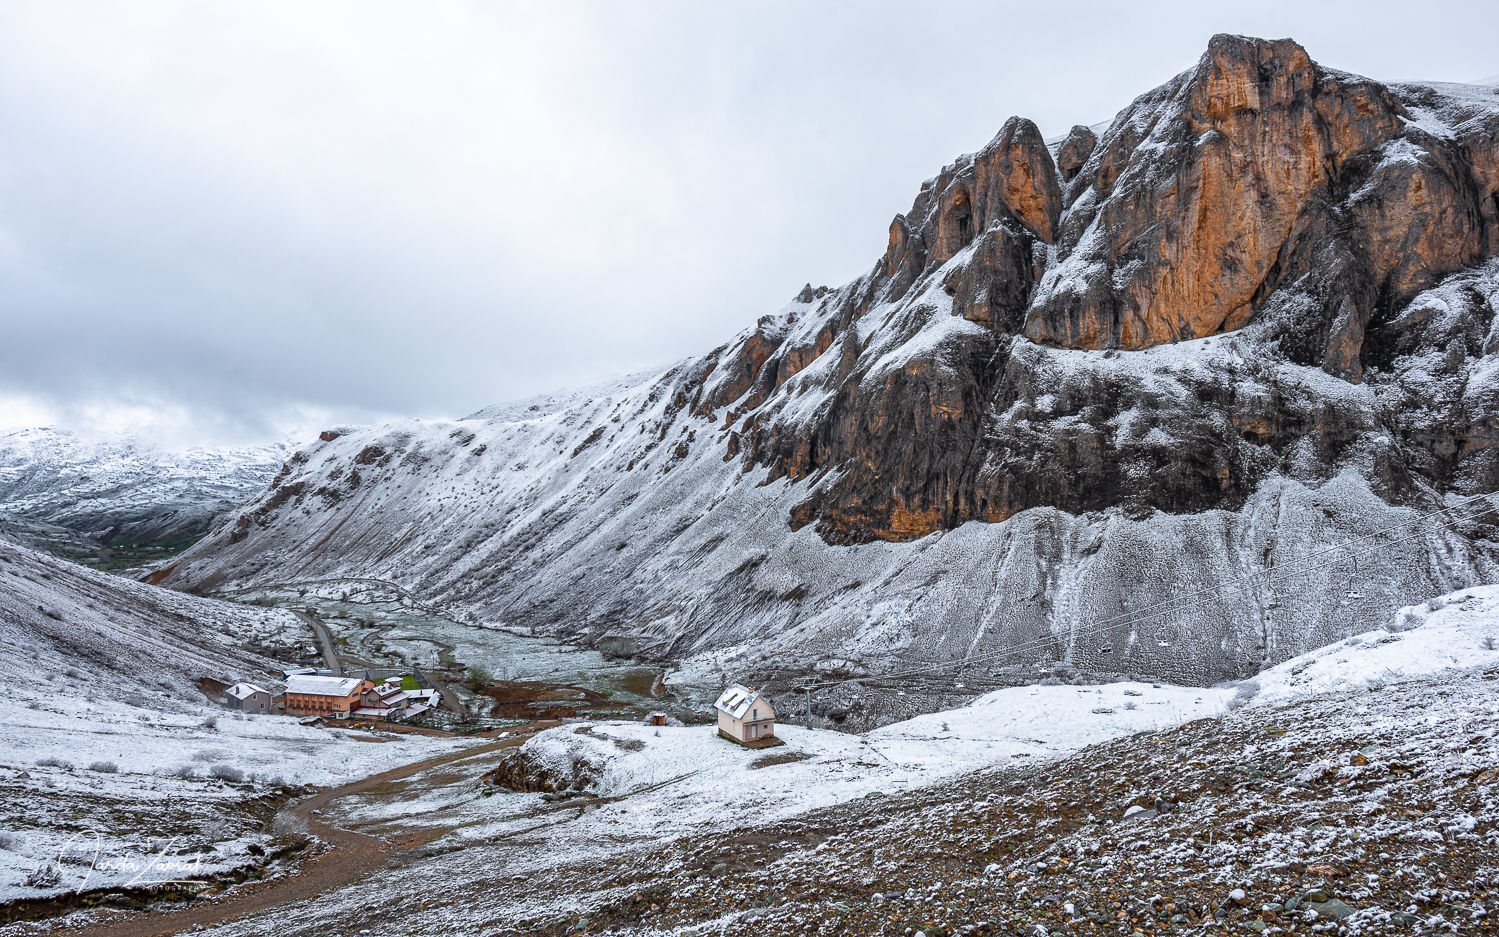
363 208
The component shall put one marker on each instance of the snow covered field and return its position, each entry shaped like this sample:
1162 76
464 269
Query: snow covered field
688 770
107 743
671 804
691 773
118 791
1455 631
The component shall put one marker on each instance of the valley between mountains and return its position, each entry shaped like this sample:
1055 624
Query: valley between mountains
1119 553
1107 405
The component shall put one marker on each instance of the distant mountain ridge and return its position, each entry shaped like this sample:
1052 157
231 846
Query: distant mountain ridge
1252 319
125 488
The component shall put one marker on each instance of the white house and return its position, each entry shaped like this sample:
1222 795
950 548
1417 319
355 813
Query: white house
248 697
744 715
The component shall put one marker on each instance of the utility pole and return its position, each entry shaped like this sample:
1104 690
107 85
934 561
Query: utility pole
808 691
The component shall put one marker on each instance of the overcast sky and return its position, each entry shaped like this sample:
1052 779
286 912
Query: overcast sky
228 219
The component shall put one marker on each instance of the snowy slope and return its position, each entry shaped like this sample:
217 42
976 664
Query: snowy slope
1354 779
1453 634
105 738
1023 725
124 488
1456 632
876 478
70 630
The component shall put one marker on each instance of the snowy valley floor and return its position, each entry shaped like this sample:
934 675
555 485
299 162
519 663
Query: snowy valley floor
1355 790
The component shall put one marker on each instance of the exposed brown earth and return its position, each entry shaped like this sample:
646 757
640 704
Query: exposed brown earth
345 856
534 700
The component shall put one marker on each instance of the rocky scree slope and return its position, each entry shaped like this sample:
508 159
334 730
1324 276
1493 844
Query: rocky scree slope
1299 819
1254 317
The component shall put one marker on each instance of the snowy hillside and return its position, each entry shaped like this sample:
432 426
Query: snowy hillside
950 459
105 736
1370 801
124 489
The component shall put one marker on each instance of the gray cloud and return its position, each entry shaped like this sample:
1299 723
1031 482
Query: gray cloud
241 215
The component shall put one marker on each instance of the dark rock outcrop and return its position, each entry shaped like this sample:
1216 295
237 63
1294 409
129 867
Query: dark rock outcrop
1075 150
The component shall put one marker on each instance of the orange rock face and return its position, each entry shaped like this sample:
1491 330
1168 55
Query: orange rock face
1074 151
1257 189
1209 195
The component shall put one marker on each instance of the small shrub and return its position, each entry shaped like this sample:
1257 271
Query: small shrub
7 842
135 700
73 672
1489 643
1243 694
185 772
212 722
105 767
227 773
45 876
55 763
287 825
1131 704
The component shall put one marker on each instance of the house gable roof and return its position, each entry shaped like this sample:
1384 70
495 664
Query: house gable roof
244 690
737 699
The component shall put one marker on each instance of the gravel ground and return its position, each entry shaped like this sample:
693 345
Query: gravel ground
1362 812
1365 810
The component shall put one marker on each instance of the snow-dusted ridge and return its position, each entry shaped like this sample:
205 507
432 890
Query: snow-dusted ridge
892 473
125 487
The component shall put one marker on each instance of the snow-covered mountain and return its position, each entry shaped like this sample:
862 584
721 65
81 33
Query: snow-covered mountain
124 489
1186 398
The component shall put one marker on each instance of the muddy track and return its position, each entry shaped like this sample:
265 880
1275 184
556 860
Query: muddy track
351 856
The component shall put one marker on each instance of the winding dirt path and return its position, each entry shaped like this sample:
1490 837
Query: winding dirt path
330 653
352 855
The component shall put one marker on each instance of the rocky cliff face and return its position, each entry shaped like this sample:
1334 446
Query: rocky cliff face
1252 318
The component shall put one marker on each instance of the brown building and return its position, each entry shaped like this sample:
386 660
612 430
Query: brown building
333 697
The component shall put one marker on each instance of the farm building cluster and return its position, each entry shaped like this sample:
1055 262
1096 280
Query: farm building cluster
398 698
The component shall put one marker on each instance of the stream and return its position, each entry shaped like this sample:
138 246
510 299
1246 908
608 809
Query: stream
377 626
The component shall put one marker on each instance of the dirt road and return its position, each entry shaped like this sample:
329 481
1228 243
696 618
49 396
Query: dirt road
330 654
351 856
